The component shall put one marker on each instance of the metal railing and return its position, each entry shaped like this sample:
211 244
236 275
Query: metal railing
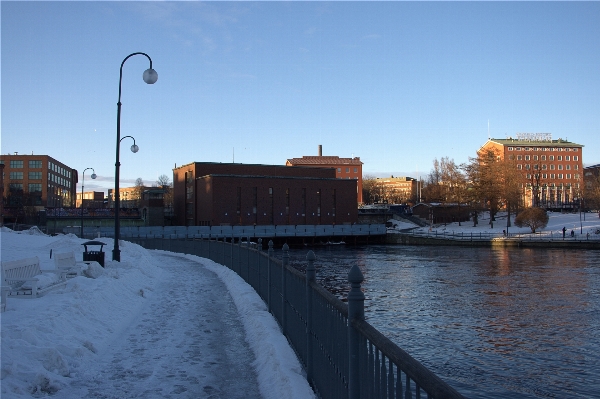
262 231
344 356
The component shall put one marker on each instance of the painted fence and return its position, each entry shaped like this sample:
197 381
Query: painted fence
344 356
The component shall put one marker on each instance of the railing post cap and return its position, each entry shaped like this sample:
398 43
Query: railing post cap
285 247
310 256
355 275
260 240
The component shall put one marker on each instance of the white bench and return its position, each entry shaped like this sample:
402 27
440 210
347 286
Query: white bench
66 262
23 278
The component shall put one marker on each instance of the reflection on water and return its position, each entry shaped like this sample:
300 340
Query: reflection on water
493 323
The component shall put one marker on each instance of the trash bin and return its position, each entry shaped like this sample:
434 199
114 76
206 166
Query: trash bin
90 256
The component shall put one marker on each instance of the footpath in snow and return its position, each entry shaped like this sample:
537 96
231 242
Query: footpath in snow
155 325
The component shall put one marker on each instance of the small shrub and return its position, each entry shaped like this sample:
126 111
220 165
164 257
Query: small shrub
534 218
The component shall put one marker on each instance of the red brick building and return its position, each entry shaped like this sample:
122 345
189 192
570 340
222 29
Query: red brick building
238 194
345 168
38 180
551 168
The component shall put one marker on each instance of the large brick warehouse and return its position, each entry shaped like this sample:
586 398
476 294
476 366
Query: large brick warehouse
213 194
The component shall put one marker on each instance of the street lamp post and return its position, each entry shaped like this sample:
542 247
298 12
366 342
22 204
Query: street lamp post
150 77
82 184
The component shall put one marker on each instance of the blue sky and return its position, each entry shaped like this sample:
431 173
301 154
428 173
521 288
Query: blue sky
394 83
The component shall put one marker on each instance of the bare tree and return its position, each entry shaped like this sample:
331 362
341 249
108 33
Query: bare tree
432 188
591 190
139 190
485 175
368 187
164 182
454 182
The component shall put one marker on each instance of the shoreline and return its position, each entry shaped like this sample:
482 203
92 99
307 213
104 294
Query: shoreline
519 242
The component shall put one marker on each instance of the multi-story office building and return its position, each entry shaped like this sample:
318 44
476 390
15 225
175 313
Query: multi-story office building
38 180
90 199
130 197
345 168
396 190
552 170
239 194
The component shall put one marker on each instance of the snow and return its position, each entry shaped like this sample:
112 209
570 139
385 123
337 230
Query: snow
160 324
556 222
157 324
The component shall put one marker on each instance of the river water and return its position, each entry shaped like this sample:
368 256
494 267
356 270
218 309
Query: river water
493 323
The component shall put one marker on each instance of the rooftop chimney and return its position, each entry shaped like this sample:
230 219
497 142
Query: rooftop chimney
320 150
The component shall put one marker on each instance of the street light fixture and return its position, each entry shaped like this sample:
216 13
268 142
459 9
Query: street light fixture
82 184
150 77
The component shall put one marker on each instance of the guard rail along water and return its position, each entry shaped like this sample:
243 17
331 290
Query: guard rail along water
343 355
263 231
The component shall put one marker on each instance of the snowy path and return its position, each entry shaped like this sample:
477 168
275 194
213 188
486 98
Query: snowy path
187 343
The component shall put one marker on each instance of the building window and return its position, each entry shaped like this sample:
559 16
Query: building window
519 157
568 158
559 158
510 148
560 175
544 176
560 167
35 164
339 170
303 202
15 187
355 170
35 187
552 176
551 157
544 167
16 164
575 158
527 157
551 167
347 170
519 166
535 157
35 175
568 175
527 167
576 167
543 157
568 167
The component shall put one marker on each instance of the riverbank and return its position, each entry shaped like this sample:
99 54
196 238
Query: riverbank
564 230
518 242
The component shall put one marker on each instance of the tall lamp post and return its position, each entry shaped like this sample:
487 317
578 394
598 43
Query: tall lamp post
150 77
82 184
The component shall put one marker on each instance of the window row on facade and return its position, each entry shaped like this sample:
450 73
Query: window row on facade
559 149
556 176
544 157
546 167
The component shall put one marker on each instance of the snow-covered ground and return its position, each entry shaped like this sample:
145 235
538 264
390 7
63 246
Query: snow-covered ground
155 325
570 221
